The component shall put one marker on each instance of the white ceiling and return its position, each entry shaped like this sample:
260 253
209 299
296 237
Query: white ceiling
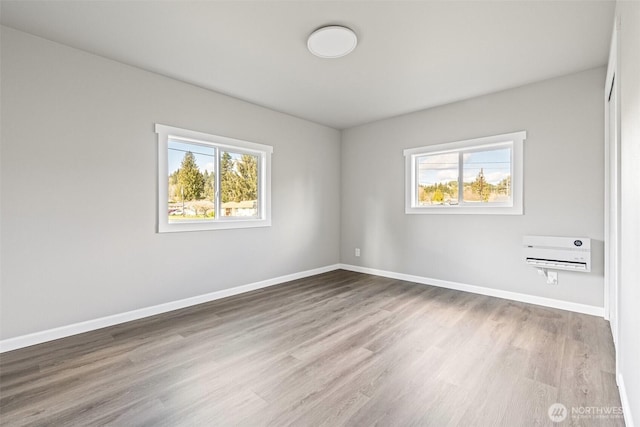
411 55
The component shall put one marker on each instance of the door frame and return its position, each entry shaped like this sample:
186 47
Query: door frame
612 233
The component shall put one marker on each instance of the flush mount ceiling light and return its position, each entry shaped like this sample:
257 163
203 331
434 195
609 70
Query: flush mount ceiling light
332 41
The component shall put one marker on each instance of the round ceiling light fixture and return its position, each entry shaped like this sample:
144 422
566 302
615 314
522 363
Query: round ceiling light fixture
333 41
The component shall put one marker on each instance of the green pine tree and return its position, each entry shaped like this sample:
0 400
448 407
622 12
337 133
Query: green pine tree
248 177
481 187
209 185
190 178
228 179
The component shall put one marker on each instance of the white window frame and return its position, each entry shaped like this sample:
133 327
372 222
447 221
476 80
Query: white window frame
515 140
263 152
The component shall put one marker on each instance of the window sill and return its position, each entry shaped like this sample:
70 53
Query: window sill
465 210
212 225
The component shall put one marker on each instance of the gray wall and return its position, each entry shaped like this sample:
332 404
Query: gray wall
629 315
563 190
79 190
78 169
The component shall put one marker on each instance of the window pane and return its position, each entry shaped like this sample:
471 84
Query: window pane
437 179
192 178
238 184
487 176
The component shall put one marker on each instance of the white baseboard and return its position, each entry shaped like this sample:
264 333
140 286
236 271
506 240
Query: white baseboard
115 319
90 325
624 399
531 299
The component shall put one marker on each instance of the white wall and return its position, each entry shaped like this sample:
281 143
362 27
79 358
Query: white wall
629 318
563 190
79 190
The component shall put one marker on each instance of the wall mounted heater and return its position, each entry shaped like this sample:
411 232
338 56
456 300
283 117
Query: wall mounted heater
558 253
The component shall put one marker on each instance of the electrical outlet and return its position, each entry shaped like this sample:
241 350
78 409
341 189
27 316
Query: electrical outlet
552 277
357 251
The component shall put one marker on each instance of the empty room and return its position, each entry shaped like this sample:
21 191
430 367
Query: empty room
319 213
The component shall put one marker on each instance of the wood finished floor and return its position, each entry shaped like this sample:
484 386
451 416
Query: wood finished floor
341 348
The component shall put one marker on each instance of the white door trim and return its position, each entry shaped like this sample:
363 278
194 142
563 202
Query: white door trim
612 189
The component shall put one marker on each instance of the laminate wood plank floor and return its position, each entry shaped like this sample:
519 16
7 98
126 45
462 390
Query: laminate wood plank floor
340 348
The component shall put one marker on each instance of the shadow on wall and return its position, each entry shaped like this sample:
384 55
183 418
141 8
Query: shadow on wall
597 257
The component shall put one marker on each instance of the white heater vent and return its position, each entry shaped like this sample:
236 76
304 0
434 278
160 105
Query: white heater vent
558 253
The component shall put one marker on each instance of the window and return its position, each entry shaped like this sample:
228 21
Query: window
209 182
476 176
